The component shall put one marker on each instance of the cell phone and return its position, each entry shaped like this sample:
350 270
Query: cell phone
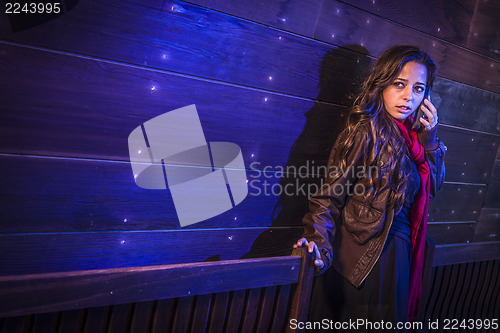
419 113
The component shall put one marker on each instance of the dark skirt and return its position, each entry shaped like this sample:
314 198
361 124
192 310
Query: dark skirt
383 296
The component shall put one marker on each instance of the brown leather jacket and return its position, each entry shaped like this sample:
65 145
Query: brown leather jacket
350 227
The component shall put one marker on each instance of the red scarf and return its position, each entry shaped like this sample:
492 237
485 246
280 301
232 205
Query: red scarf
418 216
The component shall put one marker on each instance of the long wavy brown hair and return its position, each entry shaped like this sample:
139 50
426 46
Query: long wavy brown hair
369 121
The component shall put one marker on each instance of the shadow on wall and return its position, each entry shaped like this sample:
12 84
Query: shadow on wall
342 73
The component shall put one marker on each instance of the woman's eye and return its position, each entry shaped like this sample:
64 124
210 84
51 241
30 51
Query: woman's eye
419 89
399 84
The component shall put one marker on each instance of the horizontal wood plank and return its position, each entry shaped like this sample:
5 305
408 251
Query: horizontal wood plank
97 204
295 16
457 202
93 195
449 21
58 252
451 233
492 199
62 291
467 23
344 25
488 226
450 254
39 253
465 106
470 156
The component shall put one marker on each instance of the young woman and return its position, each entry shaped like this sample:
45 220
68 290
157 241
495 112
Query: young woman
368 222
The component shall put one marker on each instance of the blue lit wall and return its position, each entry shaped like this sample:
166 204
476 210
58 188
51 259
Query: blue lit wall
274 78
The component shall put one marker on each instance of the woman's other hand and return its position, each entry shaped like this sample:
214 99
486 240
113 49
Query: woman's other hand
311 246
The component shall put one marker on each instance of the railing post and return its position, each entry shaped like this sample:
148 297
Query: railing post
302 291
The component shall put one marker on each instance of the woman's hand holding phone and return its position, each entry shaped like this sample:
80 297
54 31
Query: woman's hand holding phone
427 133
431 112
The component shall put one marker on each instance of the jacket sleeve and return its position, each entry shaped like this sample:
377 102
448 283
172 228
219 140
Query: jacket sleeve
326 205
435 159
434 154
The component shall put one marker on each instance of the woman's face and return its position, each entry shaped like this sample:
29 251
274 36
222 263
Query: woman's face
404 95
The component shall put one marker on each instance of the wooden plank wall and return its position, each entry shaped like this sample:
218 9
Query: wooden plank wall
275 78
